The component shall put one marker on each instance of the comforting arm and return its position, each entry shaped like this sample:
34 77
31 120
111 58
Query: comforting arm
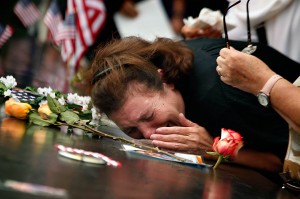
285 99
250 74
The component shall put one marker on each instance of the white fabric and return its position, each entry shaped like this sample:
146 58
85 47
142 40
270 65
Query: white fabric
208 17
259 10
283 31
282 23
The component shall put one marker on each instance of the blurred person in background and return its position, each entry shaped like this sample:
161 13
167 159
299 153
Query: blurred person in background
273 22
17 54
180 9
18 62
110 31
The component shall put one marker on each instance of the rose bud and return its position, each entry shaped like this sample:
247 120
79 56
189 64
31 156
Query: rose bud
16 109
44 111
229 144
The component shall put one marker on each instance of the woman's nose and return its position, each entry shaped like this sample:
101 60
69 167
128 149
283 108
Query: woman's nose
146 130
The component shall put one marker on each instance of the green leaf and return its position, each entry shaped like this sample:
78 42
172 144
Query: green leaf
58 94
226 158
69 117
2 86
55 106
52 117
37 101
87 112
75 107
30 88
35 118
86 115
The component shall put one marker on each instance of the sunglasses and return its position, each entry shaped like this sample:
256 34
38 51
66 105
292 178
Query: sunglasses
250 48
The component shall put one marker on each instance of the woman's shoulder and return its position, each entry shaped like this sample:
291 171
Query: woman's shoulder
205 43
212 45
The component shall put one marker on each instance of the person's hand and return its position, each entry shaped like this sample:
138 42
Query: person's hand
243 71
189 137
128 9
194 33
177 24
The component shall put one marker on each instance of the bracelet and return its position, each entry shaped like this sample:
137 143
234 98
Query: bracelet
264 95
270 83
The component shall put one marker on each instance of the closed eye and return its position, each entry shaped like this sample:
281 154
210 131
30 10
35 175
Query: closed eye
148 118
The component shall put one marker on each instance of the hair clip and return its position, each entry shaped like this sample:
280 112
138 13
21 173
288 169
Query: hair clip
106 71
100 75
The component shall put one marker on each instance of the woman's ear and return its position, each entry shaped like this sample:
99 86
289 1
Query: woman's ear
161 74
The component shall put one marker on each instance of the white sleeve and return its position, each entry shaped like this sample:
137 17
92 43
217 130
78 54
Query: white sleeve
259 10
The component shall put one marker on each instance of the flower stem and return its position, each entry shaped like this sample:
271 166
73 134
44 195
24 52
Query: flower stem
220 159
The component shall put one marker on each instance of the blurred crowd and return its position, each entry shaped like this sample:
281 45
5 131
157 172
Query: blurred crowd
34 58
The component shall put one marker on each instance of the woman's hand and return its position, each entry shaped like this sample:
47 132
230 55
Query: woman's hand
189 137
242 71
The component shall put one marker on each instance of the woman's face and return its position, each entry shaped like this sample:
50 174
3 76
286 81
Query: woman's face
145 111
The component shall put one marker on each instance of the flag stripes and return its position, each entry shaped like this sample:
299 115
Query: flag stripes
5 33
27 12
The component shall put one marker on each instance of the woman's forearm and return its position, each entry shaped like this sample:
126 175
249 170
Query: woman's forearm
285 99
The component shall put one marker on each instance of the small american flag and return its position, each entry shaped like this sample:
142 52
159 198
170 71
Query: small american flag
5 33
25 96
66 33
66 29
90 16
27 12
53 18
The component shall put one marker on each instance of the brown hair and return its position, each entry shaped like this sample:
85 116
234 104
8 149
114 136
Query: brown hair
132 59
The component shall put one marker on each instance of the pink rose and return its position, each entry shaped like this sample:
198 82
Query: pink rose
229 144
